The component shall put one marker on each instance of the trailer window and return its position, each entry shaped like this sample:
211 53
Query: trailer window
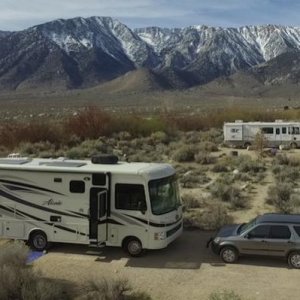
77 186
234 130
130 197
296 130
267 130
284 130
99 179
277 130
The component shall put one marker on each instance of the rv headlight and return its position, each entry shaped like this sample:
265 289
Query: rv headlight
159 235
217 240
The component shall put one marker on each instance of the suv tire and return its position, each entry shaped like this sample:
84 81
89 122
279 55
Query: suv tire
229 254
294 259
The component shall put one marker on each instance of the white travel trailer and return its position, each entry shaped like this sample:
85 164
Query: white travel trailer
277 133
132 205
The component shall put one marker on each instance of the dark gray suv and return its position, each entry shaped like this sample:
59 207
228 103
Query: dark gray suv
269 234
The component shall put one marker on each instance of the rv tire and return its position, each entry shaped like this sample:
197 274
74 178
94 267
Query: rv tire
294 145
133 246
38 241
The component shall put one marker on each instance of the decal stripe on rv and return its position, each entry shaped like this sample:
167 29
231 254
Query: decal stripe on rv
30 186
21 201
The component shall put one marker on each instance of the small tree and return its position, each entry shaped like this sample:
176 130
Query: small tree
260 143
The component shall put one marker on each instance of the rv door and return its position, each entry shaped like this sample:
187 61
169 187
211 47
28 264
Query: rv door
98 215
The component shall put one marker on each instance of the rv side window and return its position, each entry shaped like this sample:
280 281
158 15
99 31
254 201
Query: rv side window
277 130
267 130
99 179
284 130
77 186
130 197
296 130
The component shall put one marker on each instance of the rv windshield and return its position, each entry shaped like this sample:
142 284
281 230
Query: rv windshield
164 195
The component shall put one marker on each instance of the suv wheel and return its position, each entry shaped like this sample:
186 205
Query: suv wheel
229 255
294 260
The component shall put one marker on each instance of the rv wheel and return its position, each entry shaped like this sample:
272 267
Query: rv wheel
133 246
38 241
293 145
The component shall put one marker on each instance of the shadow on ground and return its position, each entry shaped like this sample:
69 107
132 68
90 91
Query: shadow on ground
188 252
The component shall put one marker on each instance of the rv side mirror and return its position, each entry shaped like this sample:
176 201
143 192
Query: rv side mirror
142 207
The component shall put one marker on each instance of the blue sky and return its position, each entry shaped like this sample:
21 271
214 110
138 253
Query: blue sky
20 14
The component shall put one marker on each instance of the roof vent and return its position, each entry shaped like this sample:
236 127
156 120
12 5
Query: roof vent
105 159
238 121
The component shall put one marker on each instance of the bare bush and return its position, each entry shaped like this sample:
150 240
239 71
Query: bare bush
205 158
19 281
208 146
212 217
110 289
281 196
191 201
185 154
229 193
220 167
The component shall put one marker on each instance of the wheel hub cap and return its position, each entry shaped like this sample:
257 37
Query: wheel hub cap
295 260
229 255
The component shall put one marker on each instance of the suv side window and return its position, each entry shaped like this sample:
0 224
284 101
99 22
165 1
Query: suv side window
260 232
297 229
280 232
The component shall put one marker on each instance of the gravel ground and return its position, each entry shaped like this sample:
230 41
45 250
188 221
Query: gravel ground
185 270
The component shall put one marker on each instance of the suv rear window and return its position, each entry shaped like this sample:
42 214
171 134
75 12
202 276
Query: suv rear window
280 232
297 229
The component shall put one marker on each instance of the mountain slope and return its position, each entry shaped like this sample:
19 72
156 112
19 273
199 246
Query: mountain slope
80 53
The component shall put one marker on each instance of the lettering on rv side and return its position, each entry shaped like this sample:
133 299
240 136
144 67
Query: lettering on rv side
52 202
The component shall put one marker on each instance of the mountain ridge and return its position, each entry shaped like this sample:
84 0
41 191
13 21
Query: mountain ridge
84 52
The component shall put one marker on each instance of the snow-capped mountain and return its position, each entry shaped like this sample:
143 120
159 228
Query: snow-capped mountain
83 52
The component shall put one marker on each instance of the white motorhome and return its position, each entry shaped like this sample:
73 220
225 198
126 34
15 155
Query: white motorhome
132 205
277 133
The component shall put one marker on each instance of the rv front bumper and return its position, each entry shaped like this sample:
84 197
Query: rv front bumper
169 236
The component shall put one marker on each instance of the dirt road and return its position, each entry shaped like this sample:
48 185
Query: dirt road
185 270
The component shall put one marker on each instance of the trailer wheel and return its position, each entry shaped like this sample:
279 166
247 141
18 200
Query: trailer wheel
133 247
246 145
294 145
38 240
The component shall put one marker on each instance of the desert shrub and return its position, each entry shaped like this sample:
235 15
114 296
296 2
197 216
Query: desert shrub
283 198
19 281
251 166
283 159
191 201
123 136
208 147
89 123
192 179
214 135
184 154
228 193
77 153
212 217
204 158
111 289
244 163
220 167
160 137
225 295
285 173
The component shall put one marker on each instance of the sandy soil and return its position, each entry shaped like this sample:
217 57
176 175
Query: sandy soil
185 270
